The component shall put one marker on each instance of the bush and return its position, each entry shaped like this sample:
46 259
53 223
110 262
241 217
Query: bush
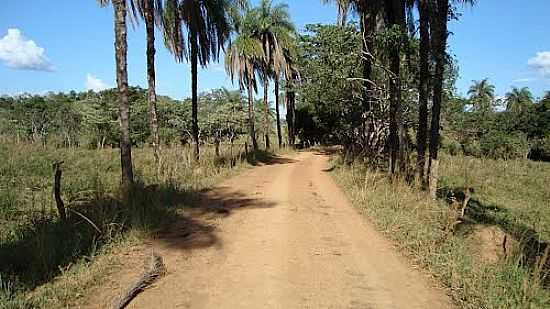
472 147
497 145
451 146
540 149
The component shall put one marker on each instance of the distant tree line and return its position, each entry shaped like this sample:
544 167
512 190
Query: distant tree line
516 126
90 119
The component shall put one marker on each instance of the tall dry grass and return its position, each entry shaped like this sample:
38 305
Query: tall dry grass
36 247
424 228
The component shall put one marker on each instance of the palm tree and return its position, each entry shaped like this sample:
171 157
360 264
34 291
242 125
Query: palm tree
292 76
440 12
275 30
121 51
423 87
482 95
151 12
395 15
243 60
208 27
518 100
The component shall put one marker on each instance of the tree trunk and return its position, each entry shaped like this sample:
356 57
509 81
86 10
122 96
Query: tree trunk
439 43
342 15
217 146
251 118
194 94
279 134
368 25
290 117
121 47
151 94
423 90
394 109
266 114
396 16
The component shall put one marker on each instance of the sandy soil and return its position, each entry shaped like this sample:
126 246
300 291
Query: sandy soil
282 235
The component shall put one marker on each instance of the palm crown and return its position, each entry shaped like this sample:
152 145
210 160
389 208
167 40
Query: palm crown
482 94
518 100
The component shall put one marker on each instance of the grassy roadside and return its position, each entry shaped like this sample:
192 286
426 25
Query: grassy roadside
46 263
421 227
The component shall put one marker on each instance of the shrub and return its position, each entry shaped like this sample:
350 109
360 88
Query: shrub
497 145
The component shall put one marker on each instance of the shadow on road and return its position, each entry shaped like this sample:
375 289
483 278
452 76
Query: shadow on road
261 157
194 226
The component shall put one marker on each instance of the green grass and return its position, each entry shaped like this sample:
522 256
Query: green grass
47 263
420 226
514 194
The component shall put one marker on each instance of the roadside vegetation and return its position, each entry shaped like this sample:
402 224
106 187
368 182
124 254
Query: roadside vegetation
510 199
459 182
49 263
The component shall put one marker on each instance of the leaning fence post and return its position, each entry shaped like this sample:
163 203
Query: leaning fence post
57 190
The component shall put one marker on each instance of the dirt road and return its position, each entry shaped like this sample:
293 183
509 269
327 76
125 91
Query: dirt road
281 235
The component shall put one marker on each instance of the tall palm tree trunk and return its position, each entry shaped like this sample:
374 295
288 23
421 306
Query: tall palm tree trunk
266 114
251 118
290 117
396 16
121 48
194 95
279 134
423 90
152 96
439 15
342 15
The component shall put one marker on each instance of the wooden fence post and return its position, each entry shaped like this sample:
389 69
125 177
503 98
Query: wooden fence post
57 190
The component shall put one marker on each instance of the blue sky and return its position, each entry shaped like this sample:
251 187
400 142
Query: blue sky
66 44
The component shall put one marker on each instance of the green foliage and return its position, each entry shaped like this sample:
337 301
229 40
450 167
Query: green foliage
91 119
518 100
482 96
519 131
329 109
499 145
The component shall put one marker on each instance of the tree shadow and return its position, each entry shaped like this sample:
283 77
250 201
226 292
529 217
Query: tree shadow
262 157
193 228
531 246
45 247
328 150
48 246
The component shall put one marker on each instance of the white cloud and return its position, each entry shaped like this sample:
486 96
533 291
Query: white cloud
95 84
541 63
522 80
18 52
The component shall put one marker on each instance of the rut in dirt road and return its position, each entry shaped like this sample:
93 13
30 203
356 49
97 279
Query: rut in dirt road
289 239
